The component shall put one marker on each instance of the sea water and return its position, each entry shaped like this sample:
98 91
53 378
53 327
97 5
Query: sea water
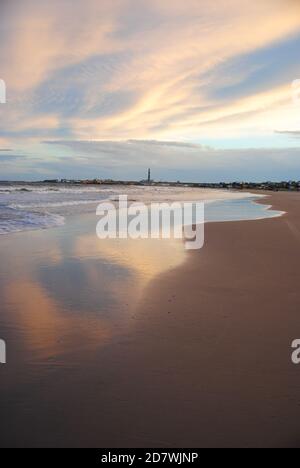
26 207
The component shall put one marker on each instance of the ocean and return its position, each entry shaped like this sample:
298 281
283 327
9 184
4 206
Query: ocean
72 312
32 206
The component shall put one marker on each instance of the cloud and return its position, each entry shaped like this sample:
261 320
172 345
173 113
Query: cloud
292 133
130 160
9 158
153 143
166 74
177 144
135 69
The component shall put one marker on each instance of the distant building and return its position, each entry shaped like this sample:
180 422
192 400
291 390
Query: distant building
147 181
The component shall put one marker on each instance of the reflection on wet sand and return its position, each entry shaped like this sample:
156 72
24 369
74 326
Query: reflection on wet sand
67 301
48 331
66 291
146 258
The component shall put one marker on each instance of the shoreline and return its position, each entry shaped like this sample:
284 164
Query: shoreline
59 219
223 323
202 359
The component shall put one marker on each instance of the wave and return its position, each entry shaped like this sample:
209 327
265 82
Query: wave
36 205
19 221
48 189
28 206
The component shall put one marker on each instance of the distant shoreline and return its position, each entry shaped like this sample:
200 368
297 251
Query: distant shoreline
286 186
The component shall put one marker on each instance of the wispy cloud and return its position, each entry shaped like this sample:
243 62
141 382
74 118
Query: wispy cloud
168 73
292 133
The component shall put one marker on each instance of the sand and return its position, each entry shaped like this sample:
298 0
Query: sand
206 362
216 338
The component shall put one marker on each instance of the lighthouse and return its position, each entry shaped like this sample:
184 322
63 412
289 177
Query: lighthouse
149 176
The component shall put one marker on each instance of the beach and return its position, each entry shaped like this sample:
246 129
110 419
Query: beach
220 372
149 226
200 358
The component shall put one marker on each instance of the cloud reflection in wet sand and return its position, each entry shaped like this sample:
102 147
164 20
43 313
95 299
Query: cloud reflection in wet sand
72 293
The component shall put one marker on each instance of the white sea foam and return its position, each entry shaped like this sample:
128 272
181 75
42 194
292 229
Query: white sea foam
40 206
47 205
17 221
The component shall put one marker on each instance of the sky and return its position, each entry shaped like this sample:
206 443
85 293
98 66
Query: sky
197 90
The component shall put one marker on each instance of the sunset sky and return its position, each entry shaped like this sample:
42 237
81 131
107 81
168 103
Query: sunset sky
197 90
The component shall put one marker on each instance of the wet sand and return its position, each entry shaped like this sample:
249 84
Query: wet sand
214 356
206 361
